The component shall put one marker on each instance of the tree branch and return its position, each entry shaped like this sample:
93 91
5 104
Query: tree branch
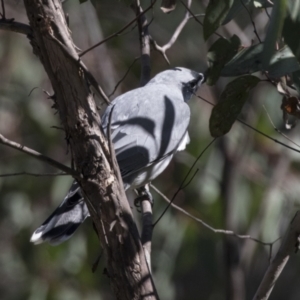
37 155
104 194
144 42
32 174
11 25
173 39
289 245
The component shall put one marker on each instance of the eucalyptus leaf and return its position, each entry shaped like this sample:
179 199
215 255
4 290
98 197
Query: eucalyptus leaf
274 31
249 61
232 100
218 55
244 62
215 14
282 63
290 33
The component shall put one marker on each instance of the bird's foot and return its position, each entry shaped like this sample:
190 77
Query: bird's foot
143 194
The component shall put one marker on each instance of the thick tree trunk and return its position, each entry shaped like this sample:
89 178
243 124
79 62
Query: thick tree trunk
104 193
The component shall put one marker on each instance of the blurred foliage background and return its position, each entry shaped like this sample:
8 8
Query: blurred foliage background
246 182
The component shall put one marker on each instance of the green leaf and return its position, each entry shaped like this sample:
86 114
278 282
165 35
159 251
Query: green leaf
245 62
218 55
290 33
231 103
274 31
249 61
215 14
282 63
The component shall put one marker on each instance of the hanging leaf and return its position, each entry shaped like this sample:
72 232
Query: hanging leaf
249 61
218 55
274 31
290 33
282 63
215 14
245 62
168 5
231 103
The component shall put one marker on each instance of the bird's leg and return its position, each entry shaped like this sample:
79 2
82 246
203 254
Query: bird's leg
143 194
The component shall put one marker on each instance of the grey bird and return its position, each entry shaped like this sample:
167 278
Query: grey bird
148 126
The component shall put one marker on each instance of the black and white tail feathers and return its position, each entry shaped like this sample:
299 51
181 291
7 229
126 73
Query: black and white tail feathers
63 222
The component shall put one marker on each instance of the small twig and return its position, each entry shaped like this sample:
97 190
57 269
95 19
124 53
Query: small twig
159 49
196 19
174 37
96 262
118 32
11 25
32 174
32 91
253 23
179 28
144 43
267 13
123 78
289 245
38 156
267 136
57 127
222 231
183 183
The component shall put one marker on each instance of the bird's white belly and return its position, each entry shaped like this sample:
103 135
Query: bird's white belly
149 173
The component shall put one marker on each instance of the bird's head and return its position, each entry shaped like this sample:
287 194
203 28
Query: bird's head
188 81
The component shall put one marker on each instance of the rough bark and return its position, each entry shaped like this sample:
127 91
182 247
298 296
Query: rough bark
104 193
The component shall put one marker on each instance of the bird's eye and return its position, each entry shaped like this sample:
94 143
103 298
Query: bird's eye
193 84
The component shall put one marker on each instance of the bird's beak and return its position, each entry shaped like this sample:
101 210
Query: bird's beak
201 79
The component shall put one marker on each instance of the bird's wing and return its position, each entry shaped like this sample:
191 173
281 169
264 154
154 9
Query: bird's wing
147 124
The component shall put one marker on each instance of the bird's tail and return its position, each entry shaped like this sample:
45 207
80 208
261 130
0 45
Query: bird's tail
63 222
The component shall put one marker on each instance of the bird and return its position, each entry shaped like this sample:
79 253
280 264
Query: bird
148 126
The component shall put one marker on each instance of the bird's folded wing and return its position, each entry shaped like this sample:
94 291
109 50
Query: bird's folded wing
145 131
